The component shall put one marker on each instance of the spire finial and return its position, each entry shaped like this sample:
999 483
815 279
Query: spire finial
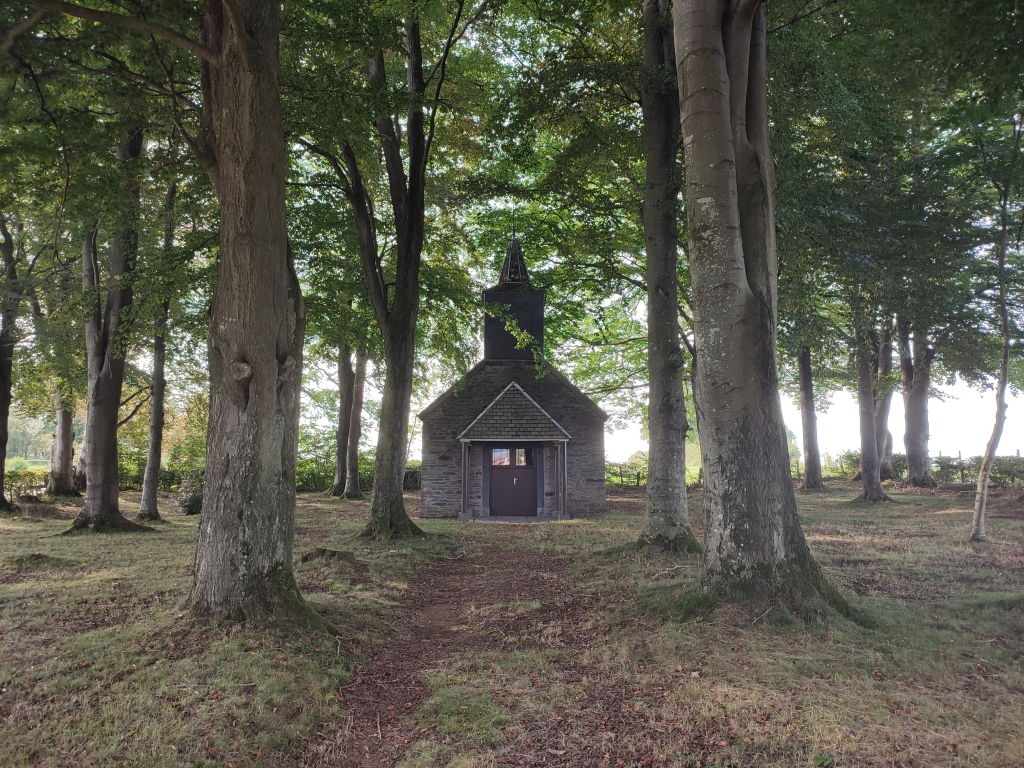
514 269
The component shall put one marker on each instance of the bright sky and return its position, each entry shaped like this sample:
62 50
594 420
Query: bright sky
961 422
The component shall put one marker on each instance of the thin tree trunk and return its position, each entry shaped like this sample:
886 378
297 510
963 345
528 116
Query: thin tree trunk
148 508
915 372
81 474
883 402
809 421
8 338
754 547
346 388
104 337
985 472
667 522
62 475
243 565
355 432
870 482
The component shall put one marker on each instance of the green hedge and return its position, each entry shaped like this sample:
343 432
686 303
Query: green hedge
21 481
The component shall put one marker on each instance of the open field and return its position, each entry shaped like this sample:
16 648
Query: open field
485 645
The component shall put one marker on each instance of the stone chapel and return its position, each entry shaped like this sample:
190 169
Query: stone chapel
512 440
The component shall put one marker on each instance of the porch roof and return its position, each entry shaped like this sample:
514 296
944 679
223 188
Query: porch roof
514 416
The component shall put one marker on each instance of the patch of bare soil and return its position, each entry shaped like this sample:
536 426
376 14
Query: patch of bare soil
461 607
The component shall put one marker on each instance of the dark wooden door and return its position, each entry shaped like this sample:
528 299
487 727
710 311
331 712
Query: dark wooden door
513 491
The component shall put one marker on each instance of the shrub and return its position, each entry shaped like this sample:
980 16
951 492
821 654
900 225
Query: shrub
412 475
131 468
849 461
899 466
1007 470
190 492
18 482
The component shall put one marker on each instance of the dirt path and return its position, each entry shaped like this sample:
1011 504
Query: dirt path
448 613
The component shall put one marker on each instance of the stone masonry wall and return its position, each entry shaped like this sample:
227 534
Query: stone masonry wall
441 470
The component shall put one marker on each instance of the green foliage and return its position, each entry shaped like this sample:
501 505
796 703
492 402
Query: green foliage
673 602
899 465
24 481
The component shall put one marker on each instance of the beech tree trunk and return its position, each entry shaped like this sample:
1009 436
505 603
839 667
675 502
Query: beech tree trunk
62 475
243 565
667 522
871 484
883 402
754 546
809 422
80 475
355 431
8 338
104 336
148 509
915 372
346 389
395 306
985 472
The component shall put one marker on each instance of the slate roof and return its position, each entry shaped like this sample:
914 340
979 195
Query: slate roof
514 415
467 381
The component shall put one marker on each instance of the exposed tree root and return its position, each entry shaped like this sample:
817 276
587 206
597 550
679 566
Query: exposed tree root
684 542
335 555
274 599
388 520
795 590
111 522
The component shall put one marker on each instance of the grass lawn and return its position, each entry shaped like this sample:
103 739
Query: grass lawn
99 667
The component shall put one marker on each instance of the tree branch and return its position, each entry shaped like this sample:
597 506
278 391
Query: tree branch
135 410
800 16
22 27
134 24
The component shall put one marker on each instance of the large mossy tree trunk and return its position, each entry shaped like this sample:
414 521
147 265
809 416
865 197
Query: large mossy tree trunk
883 403
62 468
355 431
243 564
916 358
346 389
754 547
8 338
809 422
105 335
871 485
667 522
